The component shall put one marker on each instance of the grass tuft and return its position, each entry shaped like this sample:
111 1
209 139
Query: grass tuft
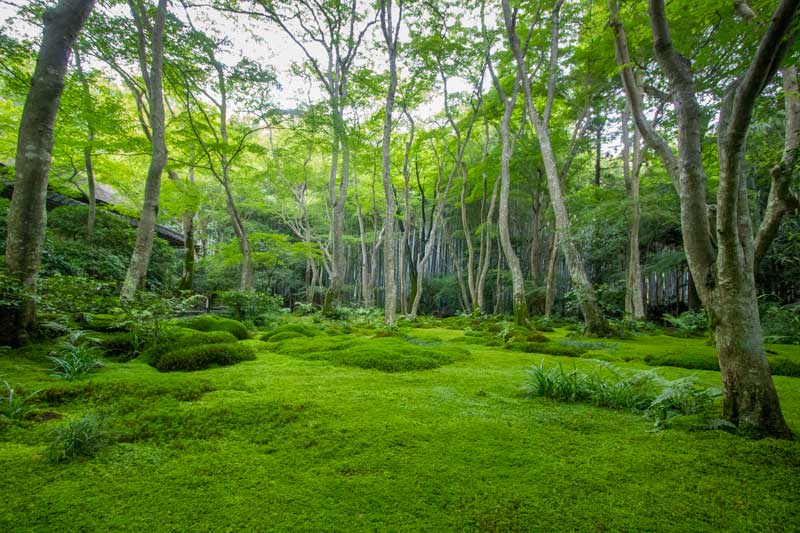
80 437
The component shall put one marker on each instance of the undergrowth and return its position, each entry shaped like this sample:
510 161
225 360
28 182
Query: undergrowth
80 437
646 392
76 356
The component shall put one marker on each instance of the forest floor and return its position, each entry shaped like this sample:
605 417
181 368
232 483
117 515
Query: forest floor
287 443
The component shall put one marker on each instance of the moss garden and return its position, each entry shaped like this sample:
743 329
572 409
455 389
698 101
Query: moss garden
438 425
392 266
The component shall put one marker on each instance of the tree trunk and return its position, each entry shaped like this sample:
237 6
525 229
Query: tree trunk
489 239
390 33
634 299
187 277
595 322
339 264
517 279
27 215
140 260
598 148
552 261
366 293
725 275
87 150
749 397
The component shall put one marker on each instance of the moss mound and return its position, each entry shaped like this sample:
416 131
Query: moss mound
282 336
180 338
521 334
683 360
300 330
103 322
204 356
784 366
215 323
387 354
545 348
120 345
779 365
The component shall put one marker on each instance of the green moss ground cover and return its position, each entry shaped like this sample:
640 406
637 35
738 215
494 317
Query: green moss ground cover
303 442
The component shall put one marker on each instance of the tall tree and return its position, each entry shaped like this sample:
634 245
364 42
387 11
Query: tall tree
391 34
509 102
632 158
27 216
152 72
722 262
335 28
596 324
88 164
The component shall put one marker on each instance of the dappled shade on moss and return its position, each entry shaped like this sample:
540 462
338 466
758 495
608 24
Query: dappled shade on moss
288 331
215 323
204 356
387 354
779 366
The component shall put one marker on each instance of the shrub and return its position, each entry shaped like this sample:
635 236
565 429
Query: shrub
215 323
14 405
688 323
249 305
150 316
77 294
302 308
78 438
204 356
781 323
299 329
76 357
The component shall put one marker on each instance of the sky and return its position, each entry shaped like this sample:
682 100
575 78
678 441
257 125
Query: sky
263 42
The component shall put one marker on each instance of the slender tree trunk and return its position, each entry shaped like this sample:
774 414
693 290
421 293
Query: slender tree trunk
634 298
390 33
366 296
595 322
471 296
781 199
87 150
137 269
339 264
27 215
489 239
517 279
598 148
187 277
497 287
550 284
